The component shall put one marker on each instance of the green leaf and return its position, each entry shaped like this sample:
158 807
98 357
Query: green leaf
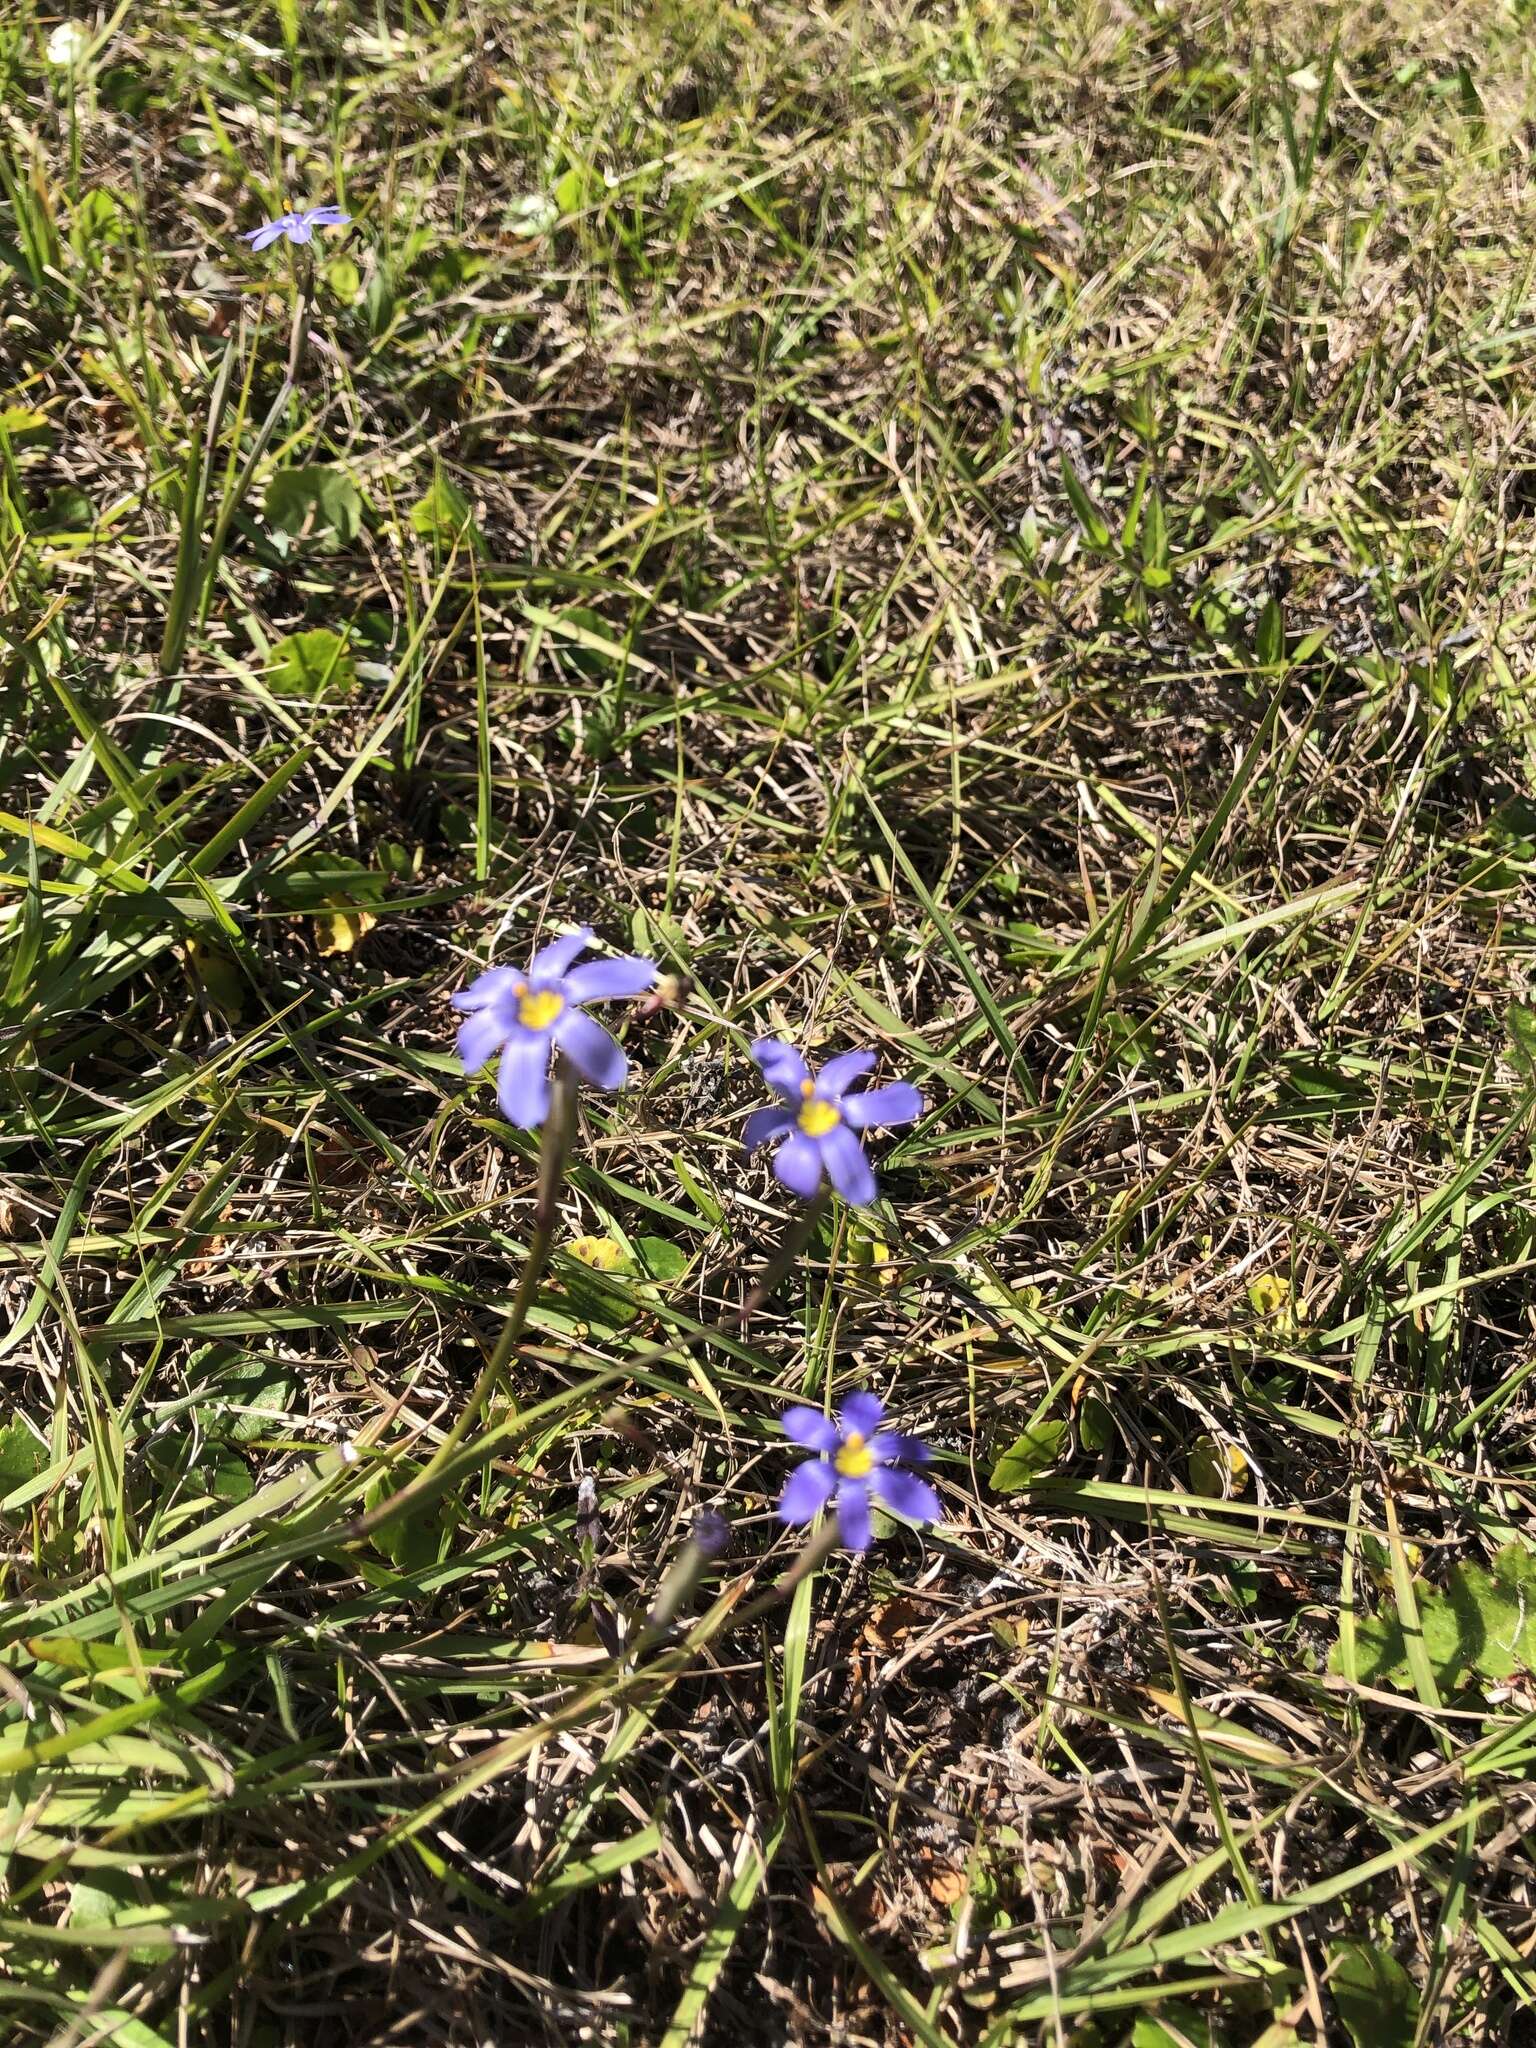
344 278
1185 2029
68 510
1217 1470
1269 643
315 665
1521 1025
414 1541
22 1457
329 494
102 1901
1155 572
1089 517
1028 1456
1375 1996
570 190
661 1259
1095 1424
325 881
99 217
443 514
1481 1627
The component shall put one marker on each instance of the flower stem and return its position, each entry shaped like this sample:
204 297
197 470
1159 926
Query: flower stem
554 1148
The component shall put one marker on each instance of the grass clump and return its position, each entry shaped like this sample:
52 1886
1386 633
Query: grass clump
998 534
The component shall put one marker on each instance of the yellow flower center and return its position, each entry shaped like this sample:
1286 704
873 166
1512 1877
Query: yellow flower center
855 1460
538 1007
818 1116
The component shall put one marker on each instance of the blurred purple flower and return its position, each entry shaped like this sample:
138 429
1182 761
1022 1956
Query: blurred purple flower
298 227
711 1532
525 1017
819 1127
855 1460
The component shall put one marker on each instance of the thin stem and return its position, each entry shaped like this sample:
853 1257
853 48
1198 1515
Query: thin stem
554 1148
303 308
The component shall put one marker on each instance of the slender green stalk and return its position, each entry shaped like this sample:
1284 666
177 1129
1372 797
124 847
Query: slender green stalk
197 567
554 1149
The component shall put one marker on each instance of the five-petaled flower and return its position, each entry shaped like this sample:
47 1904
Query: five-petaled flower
524 1016
819 1127
855 1460
298 227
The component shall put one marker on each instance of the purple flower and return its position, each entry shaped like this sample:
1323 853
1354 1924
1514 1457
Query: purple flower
298 227
525 1016
711 1532
819 1128
855 1459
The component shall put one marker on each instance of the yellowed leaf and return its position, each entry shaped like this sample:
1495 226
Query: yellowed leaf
217 976
1218 1470
603 1254
342 931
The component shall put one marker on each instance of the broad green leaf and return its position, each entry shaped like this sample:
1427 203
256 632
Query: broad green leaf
99 217
344 278
1095 1424
1481 1627
101 1901
1218 1470
661 1259
1521 1025
1269 644
328 494
443 514
1028 1456
325 881
1375 1996
315 665
68 510
217 976
570 190
413 1541
22 1457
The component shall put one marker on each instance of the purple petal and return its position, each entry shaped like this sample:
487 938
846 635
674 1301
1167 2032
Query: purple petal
522 1085
764 1124
850 1172
299 229
899 1103
486 989
808 1426
892 1448
591 1051
327 217
905 1494
606 981
782 1066
797 1163
853 1515
551 961
264 237
840 1073
861 1415
479 1037
806 1491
